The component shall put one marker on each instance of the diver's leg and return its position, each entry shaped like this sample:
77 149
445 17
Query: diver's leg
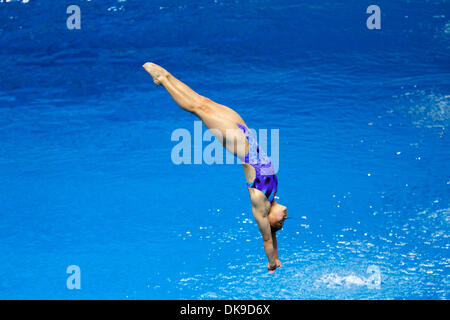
184 96
218 118
187 98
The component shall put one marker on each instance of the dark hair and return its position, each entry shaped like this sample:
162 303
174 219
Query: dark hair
274 229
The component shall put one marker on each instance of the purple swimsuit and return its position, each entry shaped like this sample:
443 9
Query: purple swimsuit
265 179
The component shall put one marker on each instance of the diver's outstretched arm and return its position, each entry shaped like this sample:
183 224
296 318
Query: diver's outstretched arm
274 241
260 213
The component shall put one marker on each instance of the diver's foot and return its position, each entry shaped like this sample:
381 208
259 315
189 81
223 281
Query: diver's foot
159 74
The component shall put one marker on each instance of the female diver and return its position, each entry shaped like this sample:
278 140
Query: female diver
229 128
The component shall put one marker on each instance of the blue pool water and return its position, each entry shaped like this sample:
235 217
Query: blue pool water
85 154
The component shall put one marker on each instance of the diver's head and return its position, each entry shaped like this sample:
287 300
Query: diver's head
276 216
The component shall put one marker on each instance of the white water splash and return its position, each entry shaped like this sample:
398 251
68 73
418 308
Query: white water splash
333 280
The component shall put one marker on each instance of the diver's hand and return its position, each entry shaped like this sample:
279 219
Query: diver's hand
278 263
273 267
